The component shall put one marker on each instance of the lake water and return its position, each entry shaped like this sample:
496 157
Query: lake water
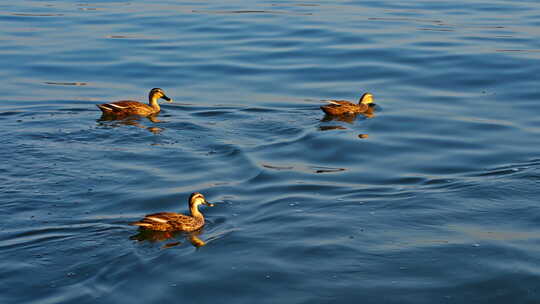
433 199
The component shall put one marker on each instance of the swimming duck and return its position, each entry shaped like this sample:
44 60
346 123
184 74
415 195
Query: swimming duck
130 107
341 107
171 221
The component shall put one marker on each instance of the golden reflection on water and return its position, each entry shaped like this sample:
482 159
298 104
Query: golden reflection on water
132 120
152 236
494 233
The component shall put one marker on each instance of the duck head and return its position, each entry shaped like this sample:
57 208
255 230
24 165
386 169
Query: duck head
157 93
366 98
197 199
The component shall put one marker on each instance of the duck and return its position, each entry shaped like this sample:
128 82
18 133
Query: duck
342 107
130 107
171 221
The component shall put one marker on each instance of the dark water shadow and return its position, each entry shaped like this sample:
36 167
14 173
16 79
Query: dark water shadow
328 128
305 169
152 236
273 12
510 169
66 83
36 15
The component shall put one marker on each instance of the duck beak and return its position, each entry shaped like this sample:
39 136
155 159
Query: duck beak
167 98
208 204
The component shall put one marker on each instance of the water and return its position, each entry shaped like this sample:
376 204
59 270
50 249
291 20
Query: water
431 200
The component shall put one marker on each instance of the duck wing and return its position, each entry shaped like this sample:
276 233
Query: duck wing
339 102
169 221
123 106
340 107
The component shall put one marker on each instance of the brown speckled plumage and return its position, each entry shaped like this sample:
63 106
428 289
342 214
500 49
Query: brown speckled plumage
130 107
343 107
170 221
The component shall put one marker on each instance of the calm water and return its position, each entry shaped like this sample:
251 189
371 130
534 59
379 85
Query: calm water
439 204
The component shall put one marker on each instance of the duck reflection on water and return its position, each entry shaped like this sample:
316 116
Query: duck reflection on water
153 236
347 118
131 120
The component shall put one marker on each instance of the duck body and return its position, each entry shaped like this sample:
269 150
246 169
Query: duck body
344 107
127 107
341 107
171 221
131 107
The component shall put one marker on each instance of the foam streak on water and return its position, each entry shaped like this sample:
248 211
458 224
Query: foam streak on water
433 199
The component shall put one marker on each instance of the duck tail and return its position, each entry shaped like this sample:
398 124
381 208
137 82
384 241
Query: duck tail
150 220
104 108
325 110
110 107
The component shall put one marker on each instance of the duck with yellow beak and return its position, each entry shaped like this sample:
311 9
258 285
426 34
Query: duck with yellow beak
130 107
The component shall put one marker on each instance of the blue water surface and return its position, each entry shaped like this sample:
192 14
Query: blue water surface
432 199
